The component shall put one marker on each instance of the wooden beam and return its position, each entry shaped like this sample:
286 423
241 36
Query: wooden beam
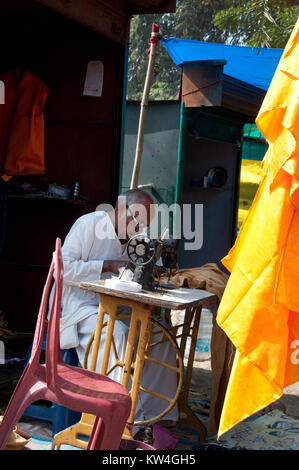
152 6
108 18
148 3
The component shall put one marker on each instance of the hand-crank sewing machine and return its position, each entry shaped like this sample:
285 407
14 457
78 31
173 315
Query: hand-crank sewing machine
145 334
145 252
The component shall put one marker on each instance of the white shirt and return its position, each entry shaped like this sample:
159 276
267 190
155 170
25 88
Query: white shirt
91 240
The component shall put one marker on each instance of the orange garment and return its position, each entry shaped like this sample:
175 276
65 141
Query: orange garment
259 310
209 277
22 124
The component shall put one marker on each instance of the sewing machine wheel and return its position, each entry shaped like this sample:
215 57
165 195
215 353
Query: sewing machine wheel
158 334
140 249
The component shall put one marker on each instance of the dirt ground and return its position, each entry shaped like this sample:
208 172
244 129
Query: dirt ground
201 384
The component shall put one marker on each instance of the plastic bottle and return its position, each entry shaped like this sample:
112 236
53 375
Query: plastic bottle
203 343
76 190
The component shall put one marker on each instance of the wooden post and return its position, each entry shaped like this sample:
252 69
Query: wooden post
144 104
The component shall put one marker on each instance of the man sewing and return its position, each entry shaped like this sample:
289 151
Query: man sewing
95 248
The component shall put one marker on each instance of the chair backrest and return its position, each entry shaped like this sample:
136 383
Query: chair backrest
35 355
53 352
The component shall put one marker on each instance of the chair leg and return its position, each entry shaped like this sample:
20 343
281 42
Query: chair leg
97 435
13 413
114 426
107 431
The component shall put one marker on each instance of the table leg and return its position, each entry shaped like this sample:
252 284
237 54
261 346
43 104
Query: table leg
168 315
187 416
186 330
110 306
97 338
142 314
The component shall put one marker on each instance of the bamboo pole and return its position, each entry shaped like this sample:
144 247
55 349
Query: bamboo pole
144 105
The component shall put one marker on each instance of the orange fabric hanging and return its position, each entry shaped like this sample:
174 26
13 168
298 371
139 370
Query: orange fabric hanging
259 310
22 124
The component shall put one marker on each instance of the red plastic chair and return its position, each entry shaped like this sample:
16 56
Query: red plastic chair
73 387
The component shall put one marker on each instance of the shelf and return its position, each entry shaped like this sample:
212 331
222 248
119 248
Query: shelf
13 265
210 188
42 197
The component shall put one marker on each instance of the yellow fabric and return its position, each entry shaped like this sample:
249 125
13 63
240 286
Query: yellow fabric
259 310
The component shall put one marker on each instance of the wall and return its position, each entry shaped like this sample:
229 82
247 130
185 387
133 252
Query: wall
160 148
205 137
212 139
82 140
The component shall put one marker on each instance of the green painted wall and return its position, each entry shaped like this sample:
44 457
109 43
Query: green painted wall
160 149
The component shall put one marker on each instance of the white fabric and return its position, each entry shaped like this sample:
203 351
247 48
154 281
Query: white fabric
84 251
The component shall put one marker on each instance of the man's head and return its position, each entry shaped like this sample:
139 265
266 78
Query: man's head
134 210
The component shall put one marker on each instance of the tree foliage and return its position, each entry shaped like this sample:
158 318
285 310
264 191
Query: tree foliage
257 23
192 20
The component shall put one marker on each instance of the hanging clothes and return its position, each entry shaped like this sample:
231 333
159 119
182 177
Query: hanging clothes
259 310
209 277
22 124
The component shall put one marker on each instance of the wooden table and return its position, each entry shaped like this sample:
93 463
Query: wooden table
142 304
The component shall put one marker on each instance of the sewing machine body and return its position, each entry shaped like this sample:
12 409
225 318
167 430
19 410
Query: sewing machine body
146 254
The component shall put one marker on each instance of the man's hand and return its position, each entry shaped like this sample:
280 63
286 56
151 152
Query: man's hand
159 270
113 266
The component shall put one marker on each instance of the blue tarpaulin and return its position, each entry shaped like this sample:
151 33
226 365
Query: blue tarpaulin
249 64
